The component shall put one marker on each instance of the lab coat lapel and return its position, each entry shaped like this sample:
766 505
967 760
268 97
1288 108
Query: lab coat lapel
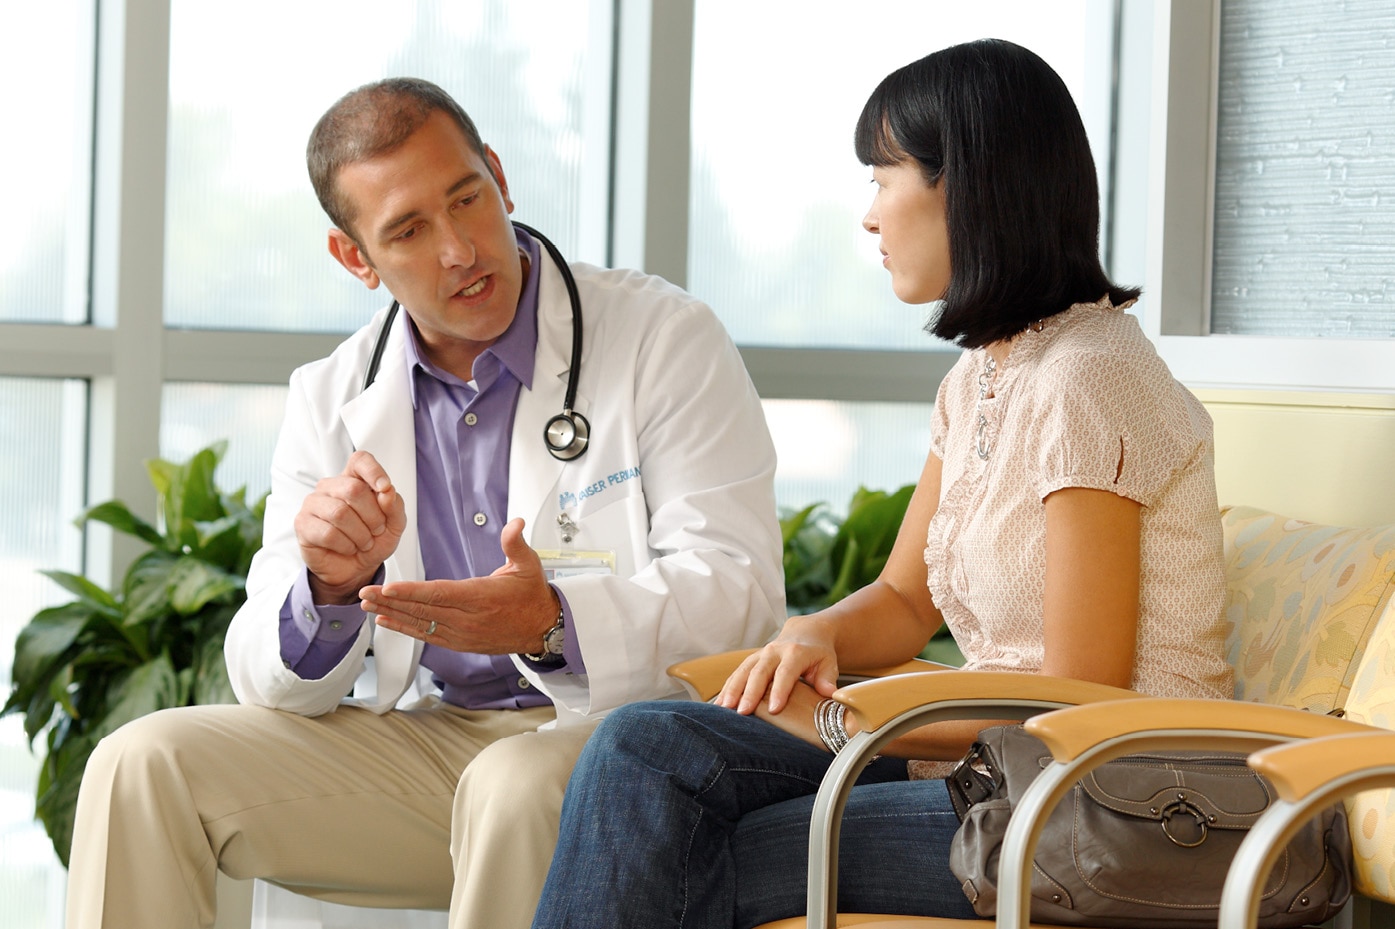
380 421
533 471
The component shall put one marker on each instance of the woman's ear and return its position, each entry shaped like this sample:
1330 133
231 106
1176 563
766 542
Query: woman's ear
349 254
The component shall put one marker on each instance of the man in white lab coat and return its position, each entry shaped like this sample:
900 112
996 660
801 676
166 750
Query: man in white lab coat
447 600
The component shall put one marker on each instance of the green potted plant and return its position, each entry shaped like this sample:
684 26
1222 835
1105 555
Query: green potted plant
85 667
827 558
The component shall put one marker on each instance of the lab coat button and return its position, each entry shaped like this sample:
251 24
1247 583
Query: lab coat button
471 419
481 519
523 683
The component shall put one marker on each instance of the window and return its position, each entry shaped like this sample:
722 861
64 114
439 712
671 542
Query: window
775 241
1305 171
245 237
41 480
1268 144
47 158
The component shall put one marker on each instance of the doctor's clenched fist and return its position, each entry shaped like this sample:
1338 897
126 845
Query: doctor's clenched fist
348 527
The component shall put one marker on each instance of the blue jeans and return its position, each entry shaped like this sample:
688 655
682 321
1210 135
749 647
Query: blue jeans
691 815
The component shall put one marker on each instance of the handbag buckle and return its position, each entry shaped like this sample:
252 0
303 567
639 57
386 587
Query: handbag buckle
1174 813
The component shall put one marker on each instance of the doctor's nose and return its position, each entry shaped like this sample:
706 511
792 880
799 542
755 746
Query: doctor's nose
457 248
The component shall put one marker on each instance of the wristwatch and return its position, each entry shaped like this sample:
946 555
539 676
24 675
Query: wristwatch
554 640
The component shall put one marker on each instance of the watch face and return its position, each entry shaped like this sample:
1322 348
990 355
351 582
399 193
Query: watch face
555 640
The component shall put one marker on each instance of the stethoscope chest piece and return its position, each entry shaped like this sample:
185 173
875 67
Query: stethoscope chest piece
566 435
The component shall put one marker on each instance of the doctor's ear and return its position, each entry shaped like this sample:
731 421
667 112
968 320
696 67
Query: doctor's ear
349 254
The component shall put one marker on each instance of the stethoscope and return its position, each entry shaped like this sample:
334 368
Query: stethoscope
567 434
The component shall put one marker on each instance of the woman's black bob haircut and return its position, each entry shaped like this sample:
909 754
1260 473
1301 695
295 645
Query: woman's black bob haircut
996 125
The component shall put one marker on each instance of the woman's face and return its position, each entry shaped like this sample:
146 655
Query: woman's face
909 216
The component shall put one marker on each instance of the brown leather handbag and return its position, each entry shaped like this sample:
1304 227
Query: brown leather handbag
1145 840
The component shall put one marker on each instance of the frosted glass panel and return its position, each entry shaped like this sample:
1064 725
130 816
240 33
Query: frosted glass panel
41 446
46 160
248 416
828 449
776 243
1305 169
245 237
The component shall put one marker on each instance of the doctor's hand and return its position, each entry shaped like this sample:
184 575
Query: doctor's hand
347 527
802 654
505 613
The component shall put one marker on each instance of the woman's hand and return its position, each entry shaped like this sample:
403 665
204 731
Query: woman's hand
802 651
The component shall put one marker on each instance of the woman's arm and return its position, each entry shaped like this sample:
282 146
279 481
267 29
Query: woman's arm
886 622
1090 615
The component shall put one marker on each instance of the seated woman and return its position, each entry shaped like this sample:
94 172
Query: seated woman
1066 515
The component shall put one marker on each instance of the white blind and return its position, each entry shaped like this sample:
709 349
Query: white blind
1305 169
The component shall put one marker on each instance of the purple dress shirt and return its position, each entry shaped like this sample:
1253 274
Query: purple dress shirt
463 431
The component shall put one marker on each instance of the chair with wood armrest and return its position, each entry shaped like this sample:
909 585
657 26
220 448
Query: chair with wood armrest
1307 776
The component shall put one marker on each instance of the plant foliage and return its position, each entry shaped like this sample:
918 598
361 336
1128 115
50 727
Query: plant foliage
827 558
109 656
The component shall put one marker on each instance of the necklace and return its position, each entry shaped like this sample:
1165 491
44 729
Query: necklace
985 384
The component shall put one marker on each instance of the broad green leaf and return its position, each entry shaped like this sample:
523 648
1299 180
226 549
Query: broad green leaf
59 687
148 584
842 587
211 675
43 641
117 515
56 803
220 542
201 499
194 583
790 525
38 714
85 590
153 686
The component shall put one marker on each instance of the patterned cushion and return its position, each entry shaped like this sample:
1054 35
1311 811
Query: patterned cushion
1301 601
1372 814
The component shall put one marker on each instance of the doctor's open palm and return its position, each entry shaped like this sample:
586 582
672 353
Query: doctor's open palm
347 527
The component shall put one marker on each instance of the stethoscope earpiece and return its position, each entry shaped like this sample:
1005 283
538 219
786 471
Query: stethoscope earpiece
567 435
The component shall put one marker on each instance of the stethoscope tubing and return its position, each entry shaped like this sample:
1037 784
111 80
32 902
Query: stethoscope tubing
580 429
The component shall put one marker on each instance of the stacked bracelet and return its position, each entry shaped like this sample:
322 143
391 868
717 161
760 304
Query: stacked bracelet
828 723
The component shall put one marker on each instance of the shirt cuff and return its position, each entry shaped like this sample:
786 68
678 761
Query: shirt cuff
572 662
316 637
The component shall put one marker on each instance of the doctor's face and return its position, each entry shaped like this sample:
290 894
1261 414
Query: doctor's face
432 217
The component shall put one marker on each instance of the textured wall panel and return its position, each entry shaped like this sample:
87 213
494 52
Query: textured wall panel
1305 170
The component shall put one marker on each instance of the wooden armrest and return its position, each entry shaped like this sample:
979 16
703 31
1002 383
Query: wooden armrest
703 677
1075 730
874 703
1297 769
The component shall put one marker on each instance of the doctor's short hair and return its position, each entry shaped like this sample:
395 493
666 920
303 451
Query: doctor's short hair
996 125
373 120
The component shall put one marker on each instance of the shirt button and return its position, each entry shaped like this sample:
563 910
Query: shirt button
309 616
471 419
481 519
523 683
336 624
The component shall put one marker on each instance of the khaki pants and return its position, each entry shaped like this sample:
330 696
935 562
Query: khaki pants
428 808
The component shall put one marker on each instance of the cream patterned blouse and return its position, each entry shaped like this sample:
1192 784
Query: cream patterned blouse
1083 402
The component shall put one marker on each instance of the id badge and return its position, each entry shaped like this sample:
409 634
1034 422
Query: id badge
559 564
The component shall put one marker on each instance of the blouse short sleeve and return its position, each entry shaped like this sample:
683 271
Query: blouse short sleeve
1110 422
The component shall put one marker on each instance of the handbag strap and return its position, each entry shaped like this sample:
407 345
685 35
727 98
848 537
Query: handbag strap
973 780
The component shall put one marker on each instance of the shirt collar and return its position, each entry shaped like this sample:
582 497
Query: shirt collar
515 350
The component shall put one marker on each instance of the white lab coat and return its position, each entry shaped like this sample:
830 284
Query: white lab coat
697 543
